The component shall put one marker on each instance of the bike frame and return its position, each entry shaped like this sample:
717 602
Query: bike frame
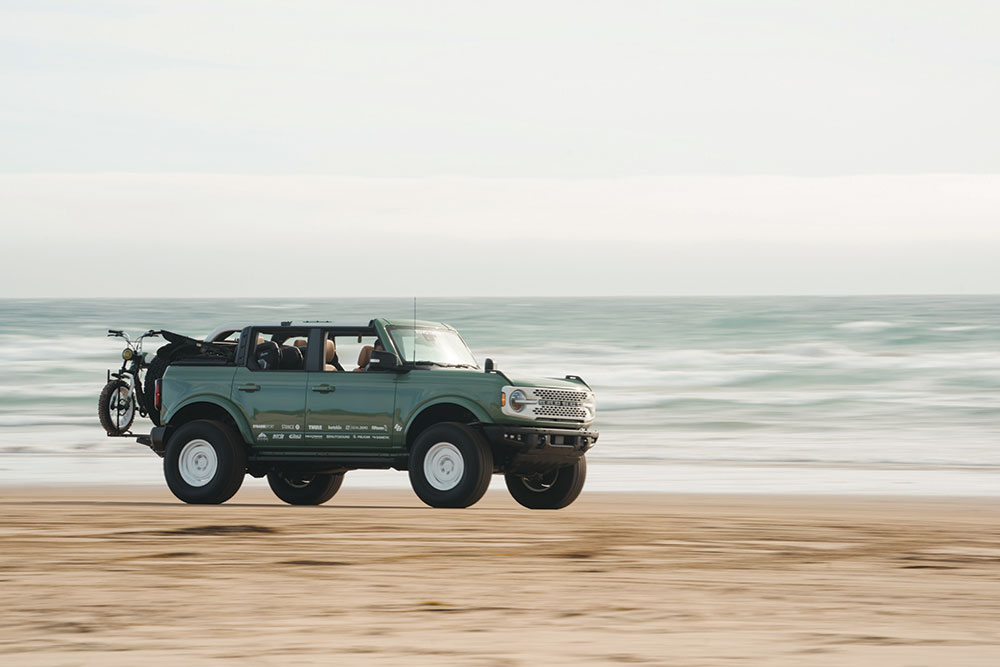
129 372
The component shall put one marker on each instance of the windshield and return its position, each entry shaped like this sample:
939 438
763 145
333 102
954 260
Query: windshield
439 347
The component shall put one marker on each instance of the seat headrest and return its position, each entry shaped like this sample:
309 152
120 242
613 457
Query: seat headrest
365 356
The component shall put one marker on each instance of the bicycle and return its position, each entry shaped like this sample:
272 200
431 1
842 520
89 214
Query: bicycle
123 395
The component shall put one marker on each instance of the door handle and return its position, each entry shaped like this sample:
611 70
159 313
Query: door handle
250 386
324 389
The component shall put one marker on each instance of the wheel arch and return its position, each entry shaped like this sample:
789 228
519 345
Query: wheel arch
209 408
446 409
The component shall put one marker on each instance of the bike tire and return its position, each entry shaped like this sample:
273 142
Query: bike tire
118 421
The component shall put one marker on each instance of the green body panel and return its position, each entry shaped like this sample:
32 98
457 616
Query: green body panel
275 410
200 384
344 413
351 412
477 392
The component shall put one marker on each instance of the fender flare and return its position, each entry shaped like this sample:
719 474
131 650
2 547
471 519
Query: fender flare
461 402
219 401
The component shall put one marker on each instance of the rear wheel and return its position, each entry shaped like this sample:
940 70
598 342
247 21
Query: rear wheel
305 489
552 490
204 463
116 407
450 465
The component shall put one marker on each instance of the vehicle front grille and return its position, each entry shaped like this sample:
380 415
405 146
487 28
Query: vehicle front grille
561 411
561 405
561 396
552 404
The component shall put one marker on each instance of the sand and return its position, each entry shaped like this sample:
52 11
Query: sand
129 576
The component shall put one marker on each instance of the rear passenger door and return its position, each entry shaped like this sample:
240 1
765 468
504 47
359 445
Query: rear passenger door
271 397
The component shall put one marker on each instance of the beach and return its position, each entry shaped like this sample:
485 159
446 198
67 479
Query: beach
126 575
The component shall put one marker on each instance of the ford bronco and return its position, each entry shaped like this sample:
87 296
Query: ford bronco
274 400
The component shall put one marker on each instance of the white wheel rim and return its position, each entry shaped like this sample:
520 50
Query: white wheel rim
198 463
122 415
444 466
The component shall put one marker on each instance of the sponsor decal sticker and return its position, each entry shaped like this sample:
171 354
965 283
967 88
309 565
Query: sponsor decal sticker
262 436
294 436
263 426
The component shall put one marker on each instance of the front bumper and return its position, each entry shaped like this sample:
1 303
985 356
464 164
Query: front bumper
529 449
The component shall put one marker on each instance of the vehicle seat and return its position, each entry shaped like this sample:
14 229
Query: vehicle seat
291 358
364 358
331 356
267 355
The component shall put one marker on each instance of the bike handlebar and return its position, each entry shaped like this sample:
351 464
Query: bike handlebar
122 334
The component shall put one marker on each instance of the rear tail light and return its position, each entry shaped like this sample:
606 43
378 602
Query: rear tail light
157 394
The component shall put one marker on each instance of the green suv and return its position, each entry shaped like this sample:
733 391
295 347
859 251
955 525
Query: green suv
276 401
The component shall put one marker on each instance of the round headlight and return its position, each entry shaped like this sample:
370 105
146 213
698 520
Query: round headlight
127 354
517 400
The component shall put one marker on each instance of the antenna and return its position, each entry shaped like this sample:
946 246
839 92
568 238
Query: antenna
414 328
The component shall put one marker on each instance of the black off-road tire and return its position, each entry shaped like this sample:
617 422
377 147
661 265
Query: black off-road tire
107 416
550 491
297 489
157 367
450 465
187 462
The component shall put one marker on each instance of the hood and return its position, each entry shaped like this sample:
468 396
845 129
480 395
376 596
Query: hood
558 383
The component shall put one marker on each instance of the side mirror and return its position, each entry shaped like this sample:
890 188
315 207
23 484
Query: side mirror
489 366
383 360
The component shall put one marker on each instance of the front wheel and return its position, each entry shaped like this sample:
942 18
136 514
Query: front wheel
450 465
302 489
205 462
116 407
552 490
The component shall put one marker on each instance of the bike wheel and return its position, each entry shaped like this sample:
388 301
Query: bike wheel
116 407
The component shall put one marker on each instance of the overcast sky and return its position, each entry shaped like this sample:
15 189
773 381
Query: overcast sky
463 148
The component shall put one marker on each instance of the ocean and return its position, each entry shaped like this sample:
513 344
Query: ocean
864 395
